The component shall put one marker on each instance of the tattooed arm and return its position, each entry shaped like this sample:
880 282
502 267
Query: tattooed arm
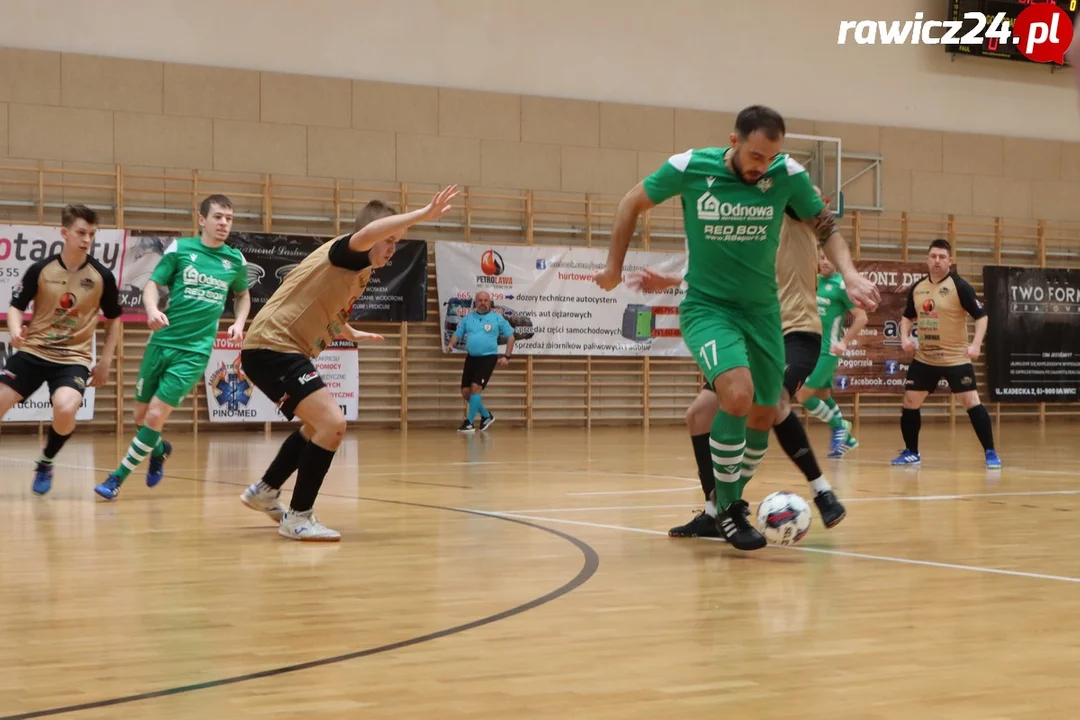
861 290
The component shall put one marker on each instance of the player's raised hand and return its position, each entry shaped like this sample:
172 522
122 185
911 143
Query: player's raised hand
648 280
156 320
441 203
607 279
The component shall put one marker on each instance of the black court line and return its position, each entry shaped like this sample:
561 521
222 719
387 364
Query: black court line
590 564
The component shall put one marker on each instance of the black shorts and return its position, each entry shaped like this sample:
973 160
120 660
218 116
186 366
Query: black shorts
801 350
925 378
25 373
285 378
478 370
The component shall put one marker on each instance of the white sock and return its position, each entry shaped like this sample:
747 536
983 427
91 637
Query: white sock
710 508
820 485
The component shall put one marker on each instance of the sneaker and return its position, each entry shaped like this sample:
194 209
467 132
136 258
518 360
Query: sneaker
110 488
993 462
734 526
703 525
838 436
846 444
155 470
906 457
265 500
832 511
466 427
487 422
305 526
42 478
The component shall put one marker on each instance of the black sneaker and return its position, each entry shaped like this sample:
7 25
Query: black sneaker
466 427
486 422
734 526
703 525
832 512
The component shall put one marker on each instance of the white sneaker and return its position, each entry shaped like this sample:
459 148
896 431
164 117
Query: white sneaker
264 500
305 526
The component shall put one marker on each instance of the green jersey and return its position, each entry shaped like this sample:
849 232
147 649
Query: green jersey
199 279
833 305
732 228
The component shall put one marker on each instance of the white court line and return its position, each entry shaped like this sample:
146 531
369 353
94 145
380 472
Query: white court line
632 492
887 498
820 551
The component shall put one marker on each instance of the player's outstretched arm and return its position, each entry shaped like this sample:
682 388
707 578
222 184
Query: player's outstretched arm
648 280
861 290
633 204
385 227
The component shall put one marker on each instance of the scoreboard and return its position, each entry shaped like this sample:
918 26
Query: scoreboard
993 47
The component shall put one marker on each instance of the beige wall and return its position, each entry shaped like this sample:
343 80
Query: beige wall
91 112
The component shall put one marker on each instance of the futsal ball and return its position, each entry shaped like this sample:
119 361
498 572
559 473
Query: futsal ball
784 518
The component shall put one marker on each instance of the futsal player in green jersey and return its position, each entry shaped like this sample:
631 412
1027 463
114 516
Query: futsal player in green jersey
734 200
199 273
816 393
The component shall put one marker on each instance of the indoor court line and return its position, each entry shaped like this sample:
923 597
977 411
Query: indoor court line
886 498
819 551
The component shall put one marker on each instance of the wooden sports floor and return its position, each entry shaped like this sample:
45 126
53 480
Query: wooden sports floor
528 574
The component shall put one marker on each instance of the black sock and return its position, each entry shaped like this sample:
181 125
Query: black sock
286 462
980 420
53 445
314 464
703 455
910 424
793 439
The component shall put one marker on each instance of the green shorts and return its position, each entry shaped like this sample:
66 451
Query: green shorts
822 377
169 374
721 339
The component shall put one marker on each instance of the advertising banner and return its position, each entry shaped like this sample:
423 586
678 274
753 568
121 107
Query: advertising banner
548 296
1033 339
231 396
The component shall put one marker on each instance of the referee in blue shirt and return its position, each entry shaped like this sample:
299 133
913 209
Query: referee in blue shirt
481 329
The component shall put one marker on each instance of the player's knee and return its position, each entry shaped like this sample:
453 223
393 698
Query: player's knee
466 392
738 400
476 389
699 416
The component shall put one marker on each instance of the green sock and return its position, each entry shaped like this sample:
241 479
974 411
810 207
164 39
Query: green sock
727 440
757 442
141 446
826 411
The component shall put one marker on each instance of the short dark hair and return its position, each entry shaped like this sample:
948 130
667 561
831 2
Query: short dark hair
371 212
942 244
759 117
220 200
71 213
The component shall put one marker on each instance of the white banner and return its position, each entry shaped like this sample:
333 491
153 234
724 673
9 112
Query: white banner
23 245
38 407
548 296
232 397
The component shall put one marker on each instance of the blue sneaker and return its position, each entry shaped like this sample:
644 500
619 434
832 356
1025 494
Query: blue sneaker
155 471
906 457
42 478
110 488
993 462
838 436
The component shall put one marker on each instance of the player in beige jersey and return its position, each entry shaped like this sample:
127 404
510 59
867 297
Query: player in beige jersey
939 305
56 347
796 277
300 320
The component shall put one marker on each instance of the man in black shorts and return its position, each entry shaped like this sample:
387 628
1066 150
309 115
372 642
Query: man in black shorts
55 347
796 271
481 329
301 319
940 303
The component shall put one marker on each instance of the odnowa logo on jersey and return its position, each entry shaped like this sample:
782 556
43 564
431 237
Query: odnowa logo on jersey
193 277
709 208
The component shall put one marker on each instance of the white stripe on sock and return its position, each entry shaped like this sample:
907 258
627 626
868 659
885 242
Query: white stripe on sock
726 448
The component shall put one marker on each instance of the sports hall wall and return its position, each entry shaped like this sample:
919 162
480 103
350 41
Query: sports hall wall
145 139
